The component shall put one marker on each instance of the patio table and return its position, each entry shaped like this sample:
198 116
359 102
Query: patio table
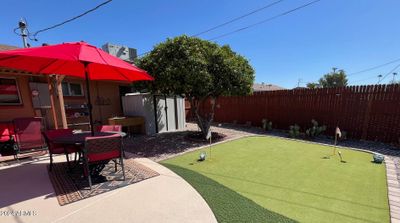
79 138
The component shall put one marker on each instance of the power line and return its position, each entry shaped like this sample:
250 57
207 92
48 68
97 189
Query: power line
266 20
237 18
252 25
228 22
381 78
390 72
373 68
67 21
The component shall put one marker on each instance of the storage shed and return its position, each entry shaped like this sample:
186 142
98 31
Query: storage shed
161 113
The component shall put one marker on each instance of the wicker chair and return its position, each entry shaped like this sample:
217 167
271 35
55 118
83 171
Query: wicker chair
102 148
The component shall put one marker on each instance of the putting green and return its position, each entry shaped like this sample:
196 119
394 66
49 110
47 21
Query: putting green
266 179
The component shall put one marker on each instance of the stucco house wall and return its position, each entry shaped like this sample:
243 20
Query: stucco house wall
10 112
105 99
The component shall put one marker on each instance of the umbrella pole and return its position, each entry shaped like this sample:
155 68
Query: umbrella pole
88 97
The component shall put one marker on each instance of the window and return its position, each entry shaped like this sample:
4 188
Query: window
72 89
9 92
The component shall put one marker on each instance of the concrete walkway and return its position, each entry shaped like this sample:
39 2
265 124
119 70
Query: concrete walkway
393 189
165 198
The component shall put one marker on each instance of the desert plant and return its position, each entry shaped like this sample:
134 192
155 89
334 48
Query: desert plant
266 125
315 130
294 131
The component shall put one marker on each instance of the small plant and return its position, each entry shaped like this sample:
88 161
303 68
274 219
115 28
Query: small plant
294 131
315 130
266 125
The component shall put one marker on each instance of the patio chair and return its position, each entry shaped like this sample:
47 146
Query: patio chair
28 135
6 132
109 128
102 148
56 148
6 138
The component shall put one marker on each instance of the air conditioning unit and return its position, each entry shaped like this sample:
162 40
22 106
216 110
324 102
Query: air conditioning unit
122 52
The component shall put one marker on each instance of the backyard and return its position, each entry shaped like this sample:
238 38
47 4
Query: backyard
201 119
268 179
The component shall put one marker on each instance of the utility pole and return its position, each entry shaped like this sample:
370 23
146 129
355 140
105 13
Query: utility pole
394 77
298 82
379 78
23 27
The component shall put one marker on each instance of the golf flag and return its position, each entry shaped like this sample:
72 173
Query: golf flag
341 158
338 132
208 134
209 138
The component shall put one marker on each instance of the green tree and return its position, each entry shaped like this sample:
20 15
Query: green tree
198 70
336 78
312 85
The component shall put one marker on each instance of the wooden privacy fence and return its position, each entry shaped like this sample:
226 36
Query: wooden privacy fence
364 112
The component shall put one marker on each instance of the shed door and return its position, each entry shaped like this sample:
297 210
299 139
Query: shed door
161 114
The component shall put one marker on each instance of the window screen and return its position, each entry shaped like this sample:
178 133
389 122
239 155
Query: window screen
9 92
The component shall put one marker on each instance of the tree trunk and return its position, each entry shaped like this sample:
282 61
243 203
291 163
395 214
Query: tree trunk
204 121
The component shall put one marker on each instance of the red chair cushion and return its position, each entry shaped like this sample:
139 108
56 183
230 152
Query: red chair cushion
109 128
6 132
93 157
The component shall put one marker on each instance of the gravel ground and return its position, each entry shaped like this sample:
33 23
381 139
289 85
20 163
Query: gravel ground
166 145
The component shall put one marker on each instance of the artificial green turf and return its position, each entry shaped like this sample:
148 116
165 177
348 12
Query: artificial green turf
252 179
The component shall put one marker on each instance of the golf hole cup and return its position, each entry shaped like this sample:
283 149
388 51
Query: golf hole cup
378 158
202 156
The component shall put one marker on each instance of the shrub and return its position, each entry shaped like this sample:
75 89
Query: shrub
315 130
266 125
294 131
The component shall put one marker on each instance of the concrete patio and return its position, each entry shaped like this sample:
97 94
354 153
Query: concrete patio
26 188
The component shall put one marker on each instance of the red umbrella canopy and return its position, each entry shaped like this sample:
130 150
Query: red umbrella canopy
70 59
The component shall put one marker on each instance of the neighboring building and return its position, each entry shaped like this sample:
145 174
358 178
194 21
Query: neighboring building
7 47
122 52
297 88
266 87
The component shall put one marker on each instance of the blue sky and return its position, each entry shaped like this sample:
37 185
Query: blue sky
349 34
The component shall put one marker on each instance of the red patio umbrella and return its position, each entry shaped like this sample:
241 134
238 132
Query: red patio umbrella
77 59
